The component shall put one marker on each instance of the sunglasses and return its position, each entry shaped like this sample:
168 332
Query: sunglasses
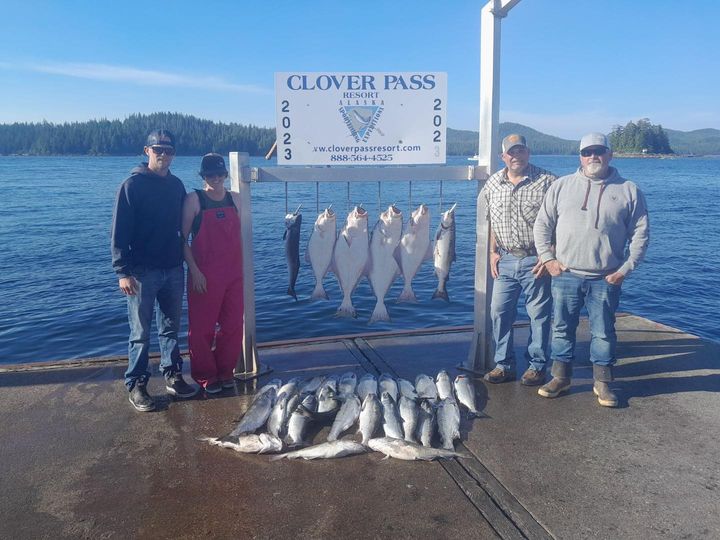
215 175
587 152
159 150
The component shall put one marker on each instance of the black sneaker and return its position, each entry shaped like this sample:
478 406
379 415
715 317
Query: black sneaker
176 386
228 383
214 388
140 398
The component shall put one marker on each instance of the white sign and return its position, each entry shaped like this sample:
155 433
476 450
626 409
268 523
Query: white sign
361 118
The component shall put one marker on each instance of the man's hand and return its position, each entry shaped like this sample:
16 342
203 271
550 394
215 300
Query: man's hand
554 267
539 269
199 282
616 278
494 262
128 286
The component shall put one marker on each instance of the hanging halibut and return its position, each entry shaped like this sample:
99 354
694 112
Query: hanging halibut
292 249
444 252
383 266
350 257
320 250
414 248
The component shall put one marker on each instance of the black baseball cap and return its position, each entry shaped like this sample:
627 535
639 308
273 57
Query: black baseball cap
212 164
160 137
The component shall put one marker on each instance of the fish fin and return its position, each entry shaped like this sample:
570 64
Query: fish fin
285 234
429 252
319 293
307 256
443 295
380 313
291 292
277 457
407 295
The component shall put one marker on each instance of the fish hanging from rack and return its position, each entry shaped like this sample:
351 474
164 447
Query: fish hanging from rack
415 247
292 248
320 250
444 252
350 257
383 268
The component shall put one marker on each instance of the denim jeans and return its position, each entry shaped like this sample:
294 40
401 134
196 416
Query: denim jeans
515 276
570 292
163 287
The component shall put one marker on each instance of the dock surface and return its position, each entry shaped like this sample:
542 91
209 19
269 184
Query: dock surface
80 462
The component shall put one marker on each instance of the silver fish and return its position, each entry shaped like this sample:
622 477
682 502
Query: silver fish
400 449
278 416
292 249
326 400
298 422
383 268
407 389
320 250
312 385
425 387
326 450
448 419
392 424
444 386
273 383
426 422
371 415
444 252
331 381
409 414
347 384
346 416
465 392
387 383
350 257
248 443
414 248
291 387
367 385
257 414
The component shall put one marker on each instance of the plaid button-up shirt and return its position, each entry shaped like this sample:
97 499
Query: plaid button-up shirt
512 209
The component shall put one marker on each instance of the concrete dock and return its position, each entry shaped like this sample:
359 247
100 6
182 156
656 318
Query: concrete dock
80 462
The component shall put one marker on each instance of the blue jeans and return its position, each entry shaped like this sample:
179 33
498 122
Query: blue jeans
164 287
515 276
570 292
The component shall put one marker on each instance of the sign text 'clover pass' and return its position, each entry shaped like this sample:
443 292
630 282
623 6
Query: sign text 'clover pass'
361 118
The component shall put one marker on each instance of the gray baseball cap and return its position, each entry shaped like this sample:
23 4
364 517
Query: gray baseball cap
594 139
513 140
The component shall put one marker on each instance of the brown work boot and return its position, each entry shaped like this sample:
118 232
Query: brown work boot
561 372
499 375
603 375
532 377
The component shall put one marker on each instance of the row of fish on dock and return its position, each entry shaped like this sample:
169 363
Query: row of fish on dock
390 250
410 416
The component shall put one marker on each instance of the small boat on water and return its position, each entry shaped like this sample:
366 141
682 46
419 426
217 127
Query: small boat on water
474 158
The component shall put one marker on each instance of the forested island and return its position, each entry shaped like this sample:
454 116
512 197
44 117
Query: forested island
196 136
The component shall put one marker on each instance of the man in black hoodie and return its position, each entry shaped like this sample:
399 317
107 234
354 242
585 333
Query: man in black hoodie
147 255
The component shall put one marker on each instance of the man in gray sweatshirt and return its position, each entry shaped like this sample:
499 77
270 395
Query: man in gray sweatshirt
581 233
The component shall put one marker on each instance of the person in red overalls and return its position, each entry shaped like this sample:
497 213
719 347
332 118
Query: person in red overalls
215 277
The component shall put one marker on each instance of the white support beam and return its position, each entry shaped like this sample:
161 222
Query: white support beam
481 346
247 366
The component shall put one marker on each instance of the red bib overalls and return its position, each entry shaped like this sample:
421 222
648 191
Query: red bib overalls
217 252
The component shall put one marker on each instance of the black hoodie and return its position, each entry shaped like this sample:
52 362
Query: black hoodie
147 223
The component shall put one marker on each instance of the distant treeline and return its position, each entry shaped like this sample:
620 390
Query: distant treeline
640 138
126 137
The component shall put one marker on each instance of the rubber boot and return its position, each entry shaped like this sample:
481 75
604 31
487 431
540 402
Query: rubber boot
561 372
603 375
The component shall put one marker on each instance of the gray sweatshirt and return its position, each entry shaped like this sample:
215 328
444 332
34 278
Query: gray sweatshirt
590 222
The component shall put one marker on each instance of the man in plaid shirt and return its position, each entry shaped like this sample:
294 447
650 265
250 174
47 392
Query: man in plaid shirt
513 196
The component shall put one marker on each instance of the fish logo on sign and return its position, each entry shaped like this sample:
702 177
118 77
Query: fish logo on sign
361 120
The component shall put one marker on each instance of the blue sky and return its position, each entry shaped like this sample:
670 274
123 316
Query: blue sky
568 66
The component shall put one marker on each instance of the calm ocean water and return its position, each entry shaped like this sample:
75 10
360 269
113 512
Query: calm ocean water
60 298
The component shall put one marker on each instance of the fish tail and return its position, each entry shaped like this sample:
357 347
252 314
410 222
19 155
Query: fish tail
443 295
380 313
291 292
277 457
407 295
346 309
319 292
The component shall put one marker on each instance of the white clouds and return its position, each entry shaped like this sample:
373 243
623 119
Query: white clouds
105 72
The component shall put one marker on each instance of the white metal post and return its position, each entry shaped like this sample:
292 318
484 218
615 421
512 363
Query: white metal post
481 346
248 366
